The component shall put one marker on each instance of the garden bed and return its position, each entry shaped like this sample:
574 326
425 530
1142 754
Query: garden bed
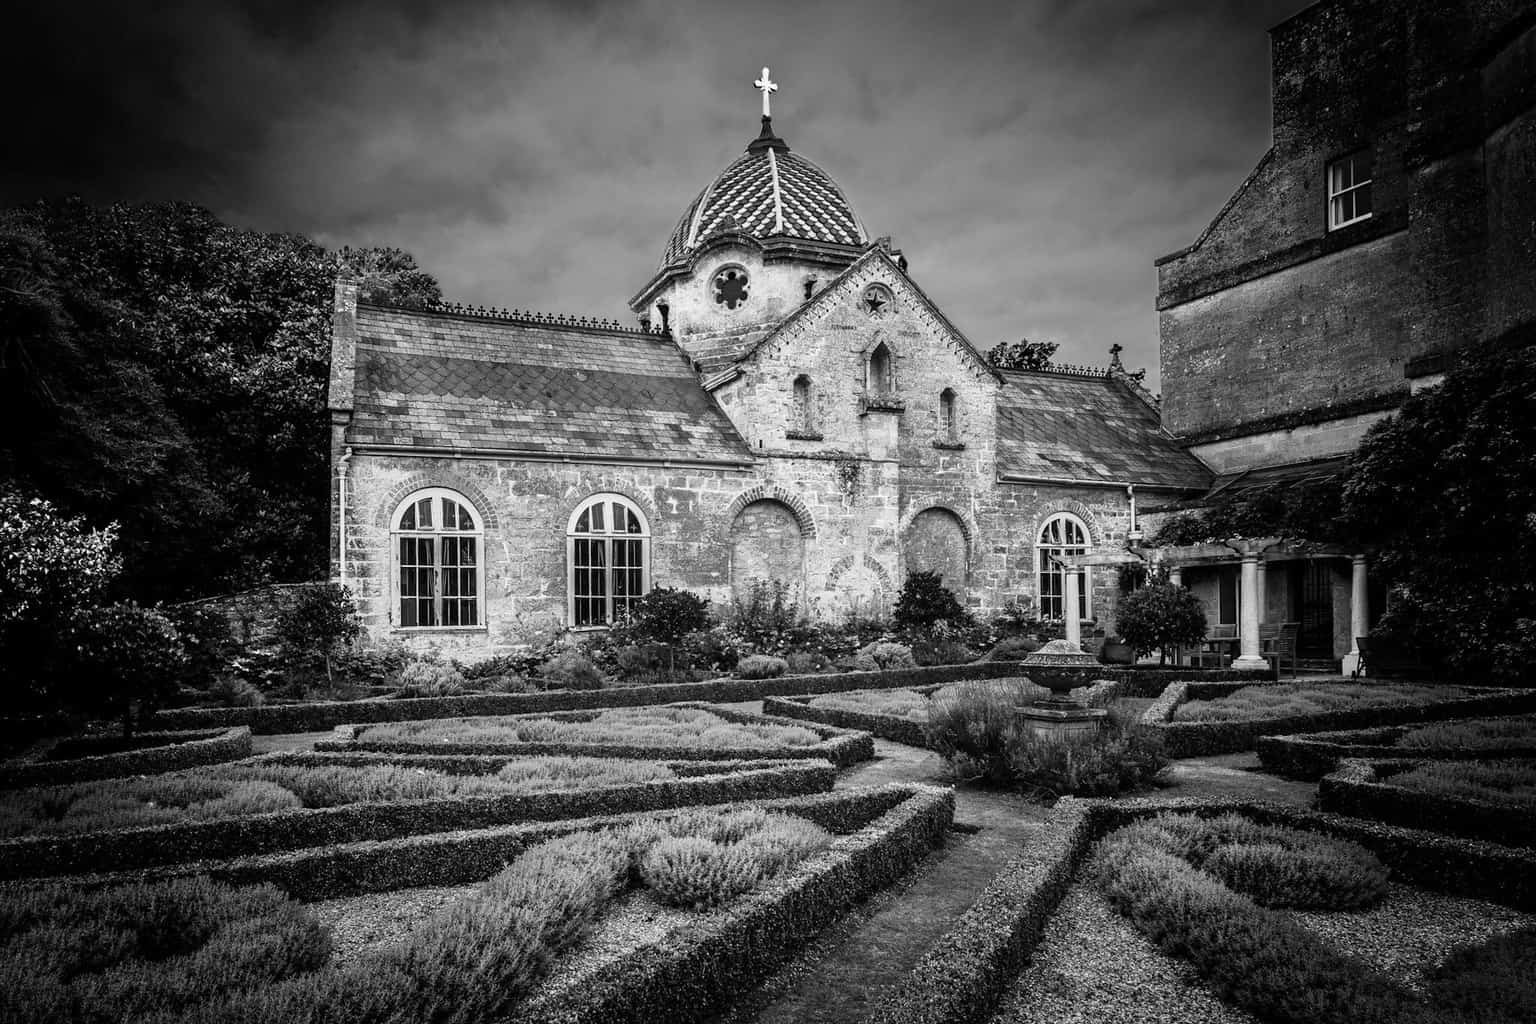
235 834
897 715
319 716
1270 717
564 895
1313 756
1493 800
964 977
679 731
84 758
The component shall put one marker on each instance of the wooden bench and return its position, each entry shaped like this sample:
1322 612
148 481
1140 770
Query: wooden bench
1277 642
1387 659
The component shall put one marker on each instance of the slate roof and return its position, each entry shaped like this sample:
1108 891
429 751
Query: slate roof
1226 486
434 379
1087 428
767 192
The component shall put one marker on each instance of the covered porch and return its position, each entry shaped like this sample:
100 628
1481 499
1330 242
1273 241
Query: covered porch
1311 601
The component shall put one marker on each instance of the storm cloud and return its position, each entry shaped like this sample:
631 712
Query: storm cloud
1031 159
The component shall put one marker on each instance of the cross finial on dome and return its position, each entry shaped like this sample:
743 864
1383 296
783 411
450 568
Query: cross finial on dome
766 85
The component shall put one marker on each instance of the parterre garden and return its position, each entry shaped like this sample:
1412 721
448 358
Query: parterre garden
621 835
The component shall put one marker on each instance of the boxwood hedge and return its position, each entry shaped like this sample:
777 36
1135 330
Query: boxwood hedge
1199 739
1312 756
156 753
138 848
842 747
319 716
1364 789
700 968
963 976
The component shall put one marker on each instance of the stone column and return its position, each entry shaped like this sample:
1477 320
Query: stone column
1069 611
1359 612
1176 576
1248 613
1262 588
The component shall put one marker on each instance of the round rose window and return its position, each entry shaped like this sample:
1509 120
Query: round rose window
730 287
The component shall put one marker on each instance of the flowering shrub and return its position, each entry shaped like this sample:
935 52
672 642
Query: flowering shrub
430 679
761 666
883 656
571 670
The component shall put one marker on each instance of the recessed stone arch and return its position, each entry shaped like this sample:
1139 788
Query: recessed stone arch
766 543
773 492
1078 509
935 539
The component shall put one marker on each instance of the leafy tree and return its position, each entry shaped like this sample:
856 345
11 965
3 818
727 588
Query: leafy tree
1159 616
925 600
1447 487
665 615
51 567
1022 354
123 661
315 626
168 371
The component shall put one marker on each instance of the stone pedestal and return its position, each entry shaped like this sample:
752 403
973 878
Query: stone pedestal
1061 723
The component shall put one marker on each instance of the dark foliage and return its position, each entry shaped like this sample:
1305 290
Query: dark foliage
1022 354
1160 616
1446 489
315 626
166 371
924 600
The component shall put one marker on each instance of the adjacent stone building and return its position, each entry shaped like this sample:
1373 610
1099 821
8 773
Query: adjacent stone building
793 408
1391 222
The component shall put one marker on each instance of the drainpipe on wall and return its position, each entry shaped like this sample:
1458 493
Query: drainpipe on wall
1134 534
341 517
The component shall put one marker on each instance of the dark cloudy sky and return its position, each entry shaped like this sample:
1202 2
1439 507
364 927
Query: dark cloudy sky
1031 158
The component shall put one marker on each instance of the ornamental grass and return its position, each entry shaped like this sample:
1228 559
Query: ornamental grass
1478 733
231 790
1207 890
191 951
646 726
1508 783
1288 699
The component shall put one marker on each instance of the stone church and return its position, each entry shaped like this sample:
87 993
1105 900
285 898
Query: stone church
792 407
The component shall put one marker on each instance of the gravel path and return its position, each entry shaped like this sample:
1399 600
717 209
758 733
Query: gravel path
1094 967
1412 930
361 923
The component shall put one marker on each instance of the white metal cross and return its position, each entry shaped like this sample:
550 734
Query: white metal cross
767 86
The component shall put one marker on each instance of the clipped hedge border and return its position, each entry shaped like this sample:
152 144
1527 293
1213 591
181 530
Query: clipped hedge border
1199 739
1363 789
964 975
180 750
322 715
890 727
1311 757
154 845
702 967
842 747
469 855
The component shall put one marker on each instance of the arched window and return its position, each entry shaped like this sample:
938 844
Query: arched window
948 428
802 419
608 551
439 571
879 380
1062 537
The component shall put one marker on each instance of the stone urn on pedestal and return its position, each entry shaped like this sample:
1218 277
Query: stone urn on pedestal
1061 666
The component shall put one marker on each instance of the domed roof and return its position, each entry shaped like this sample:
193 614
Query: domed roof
766 192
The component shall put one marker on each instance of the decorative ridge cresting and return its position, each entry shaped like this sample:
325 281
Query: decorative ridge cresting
1067 370
524 316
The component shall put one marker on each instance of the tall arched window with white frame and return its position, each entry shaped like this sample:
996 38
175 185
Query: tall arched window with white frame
439 573
1062 537
608 555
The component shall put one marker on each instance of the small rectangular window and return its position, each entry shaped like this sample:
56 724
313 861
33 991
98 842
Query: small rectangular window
1349 189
